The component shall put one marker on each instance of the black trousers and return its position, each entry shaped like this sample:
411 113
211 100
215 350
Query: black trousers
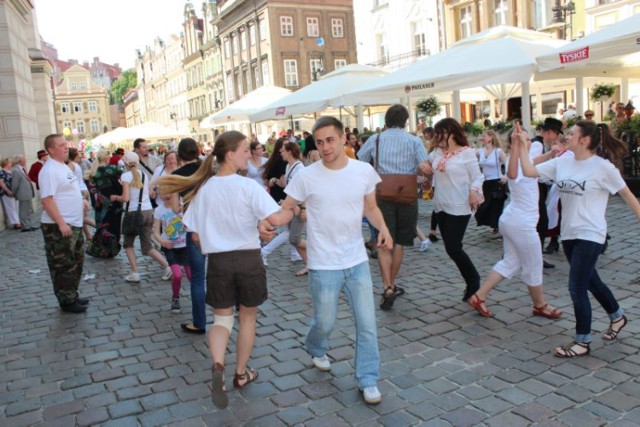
543 220
452 229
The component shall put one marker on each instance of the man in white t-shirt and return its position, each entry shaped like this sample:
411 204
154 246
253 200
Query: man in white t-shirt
62 224
337 258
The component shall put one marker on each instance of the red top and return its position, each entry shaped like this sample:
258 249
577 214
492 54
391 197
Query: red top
34 171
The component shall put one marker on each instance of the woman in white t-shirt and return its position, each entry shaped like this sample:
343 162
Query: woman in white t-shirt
133 182
169 164
458 180
522 247
223 214
585 182
255 166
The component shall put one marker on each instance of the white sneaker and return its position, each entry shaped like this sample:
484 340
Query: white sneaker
372 395
132 277
264 260
424 245
322 363
168 274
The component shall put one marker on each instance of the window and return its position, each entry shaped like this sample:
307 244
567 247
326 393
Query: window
313 28
339 63
252 35
95 125
315 65
77 107
74 86
234 44
466 22
419 38
65 107
286 26
243 40
227 49
262 26
93 106
290 72
337 27
383 47
254 77
231 94
67 125
500 12
266 80
80 126
83 86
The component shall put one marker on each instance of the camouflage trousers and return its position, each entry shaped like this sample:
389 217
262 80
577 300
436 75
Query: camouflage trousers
65 257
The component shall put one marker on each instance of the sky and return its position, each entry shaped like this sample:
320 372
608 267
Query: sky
109 29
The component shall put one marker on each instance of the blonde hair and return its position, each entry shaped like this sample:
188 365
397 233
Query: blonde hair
495 141
100 156
4 162
226 142
136 181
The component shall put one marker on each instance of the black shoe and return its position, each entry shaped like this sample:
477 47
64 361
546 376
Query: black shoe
74 307
82 301
605 245
552 247
24 230
546 264
469 291
374 254
189 328
433 238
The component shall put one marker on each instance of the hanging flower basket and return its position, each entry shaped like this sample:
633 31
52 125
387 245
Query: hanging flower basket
428 106
602 92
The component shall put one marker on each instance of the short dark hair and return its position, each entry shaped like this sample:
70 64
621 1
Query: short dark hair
396 116
325 121
293 148
137 142
188 149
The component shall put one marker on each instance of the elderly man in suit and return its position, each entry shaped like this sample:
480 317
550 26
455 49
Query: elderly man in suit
24 193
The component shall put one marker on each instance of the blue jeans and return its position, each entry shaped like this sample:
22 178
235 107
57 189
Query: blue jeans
197 262
582 256
325 287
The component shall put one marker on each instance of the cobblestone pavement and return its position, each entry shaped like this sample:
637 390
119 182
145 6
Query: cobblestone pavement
126 361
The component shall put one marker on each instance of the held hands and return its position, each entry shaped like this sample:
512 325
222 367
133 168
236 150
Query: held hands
266 230
518 136
167 244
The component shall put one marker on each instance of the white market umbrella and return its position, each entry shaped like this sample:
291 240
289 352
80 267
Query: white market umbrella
613 51
151 130
114 136
325 93
495 56
240 110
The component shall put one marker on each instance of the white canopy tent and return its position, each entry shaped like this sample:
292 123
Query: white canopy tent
252 102
114 136
611 52
320 95
495 56
151 130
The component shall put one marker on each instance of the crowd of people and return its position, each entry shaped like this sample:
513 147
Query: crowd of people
215 217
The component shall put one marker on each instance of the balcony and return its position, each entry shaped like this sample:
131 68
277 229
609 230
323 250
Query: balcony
398 61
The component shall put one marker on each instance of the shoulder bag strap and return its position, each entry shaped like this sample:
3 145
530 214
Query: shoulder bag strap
145 166
288 177
375 166
141 190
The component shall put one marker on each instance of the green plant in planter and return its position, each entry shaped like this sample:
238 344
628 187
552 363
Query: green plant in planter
502 127
630 126
429 107
571 121
601 91
472 128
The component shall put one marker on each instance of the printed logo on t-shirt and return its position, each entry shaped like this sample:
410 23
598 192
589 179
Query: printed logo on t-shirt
71 177
569 186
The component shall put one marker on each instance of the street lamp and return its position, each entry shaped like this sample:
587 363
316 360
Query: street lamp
560 13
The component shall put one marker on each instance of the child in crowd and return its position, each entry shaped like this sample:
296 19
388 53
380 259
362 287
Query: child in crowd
169 230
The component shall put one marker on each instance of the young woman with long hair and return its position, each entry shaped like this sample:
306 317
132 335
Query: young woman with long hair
458 180
255 166
491 158
224 210
585 182
275 169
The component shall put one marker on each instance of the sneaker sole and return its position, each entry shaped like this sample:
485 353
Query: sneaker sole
370 401
175 311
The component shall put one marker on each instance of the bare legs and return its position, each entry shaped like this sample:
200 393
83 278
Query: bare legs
390 262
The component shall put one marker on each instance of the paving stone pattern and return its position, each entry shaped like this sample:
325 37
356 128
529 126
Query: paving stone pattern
126 361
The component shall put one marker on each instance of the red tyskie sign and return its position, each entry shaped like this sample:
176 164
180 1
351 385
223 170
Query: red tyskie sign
574 56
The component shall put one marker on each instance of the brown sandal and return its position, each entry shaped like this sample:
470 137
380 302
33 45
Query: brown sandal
569 351
218 392
250 375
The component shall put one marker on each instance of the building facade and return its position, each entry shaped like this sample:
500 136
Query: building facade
81 104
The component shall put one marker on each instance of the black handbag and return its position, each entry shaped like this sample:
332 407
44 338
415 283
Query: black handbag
500 192
133 221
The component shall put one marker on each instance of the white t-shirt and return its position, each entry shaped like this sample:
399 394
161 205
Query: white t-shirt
335 203
453 177
490 165
134 193
57 180
77 171
523 206
225 213
292 170
255 173
584 187
172 227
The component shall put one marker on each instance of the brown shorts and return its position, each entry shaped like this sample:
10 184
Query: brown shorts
145 233
236 277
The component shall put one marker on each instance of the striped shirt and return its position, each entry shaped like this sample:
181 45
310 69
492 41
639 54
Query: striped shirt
400 152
